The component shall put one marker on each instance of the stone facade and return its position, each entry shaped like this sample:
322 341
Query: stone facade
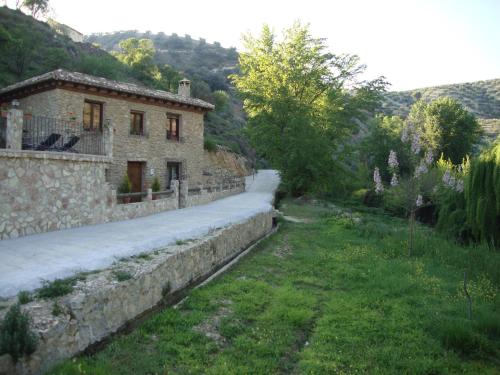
45 191
153 148
100 305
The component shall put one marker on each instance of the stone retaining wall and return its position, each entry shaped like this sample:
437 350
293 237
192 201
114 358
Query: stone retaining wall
46 191
203 196
100 305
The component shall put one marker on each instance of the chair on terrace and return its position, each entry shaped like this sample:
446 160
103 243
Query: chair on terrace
49 142
69 145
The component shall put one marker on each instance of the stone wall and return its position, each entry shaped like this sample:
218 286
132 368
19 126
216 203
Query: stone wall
206 194
152 148
46 191
100 305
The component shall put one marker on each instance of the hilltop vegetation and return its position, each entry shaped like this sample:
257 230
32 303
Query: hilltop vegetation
29 47
207 65
482 98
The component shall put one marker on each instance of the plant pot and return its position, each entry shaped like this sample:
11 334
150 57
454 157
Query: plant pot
154 197
28 116
4 113
126 200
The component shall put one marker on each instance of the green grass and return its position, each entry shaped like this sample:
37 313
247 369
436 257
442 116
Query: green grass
331 296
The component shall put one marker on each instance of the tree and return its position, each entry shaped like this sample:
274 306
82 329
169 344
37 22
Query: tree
168 78
36 7
447 127
221 100
483 196
384 135
298 106
138 54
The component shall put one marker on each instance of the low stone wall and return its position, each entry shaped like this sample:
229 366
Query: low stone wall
100 305
203 195
46 191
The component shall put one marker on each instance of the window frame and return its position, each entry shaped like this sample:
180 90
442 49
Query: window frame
133 114
91 126
169 137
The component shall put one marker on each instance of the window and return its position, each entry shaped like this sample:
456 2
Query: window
92 115
136 123
173 127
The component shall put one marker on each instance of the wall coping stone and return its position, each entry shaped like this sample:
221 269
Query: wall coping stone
49 155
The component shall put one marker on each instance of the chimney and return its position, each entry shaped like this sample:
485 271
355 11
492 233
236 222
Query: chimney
184 87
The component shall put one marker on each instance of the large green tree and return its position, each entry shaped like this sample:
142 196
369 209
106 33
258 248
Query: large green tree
301 101
447 127
138 54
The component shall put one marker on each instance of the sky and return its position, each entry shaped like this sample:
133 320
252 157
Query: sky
412 43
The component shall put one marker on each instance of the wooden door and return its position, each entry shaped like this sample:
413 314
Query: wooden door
134 171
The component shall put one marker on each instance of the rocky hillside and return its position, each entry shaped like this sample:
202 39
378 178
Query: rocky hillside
481 98
29 47
207 65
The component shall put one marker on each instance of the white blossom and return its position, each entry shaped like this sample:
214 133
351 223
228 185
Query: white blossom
394 180
446 177
421 169
429 158
415 143
393 160
379 188
459 186
420 201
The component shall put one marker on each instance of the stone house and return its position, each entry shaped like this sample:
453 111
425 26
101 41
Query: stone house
155 133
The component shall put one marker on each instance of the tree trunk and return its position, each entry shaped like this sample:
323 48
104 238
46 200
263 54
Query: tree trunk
467 295
412 229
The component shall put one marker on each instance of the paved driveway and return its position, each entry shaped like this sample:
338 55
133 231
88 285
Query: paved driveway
26 261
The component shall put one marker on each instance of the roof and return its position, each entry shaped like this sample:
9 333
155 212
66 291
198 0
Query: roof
62 75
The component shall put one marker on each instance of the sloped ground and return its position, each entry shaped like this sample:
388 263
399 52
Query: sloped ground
338 295
26 261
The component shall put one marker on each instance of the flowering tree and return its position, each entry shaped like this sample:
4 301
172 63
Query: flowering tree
419 163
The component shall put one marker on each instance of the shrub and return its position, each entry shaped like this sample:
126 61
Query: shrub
56 309
16 337
24 297
122 275
155 186
209 144
125 186
57 288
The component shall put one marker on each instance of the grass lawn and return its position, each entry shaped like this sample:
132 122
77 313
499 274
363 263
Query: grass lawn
333 295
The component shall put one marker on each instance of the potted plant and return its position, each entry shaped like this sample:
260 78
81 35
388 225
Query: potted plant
125 187
4 111
155 186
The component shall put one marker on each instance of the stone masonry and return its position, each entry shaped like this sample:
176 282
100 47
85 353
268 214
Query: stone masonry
152 148
100 305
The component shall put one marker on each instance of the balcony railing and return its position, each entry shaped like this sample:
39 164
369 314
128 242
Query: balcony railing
50 134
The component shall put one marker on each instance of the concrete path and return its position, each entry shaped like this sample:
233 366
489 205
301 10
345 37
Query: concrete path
26 261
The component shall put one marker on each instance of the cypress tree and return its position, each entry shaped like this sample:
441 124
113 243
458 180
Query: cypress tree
483 196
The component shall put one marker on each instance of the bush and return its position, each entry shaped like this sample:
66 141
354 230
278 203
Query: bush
125 186
209 144
16 337
156 184
121 275
57 288
24 297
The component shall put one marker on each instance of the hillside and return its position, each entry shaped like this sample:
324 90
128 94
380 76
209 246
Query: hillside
481 98
29 47
207 65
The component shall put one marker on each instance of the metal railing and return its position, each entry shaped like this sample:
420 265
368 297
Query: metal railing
50 134
3 132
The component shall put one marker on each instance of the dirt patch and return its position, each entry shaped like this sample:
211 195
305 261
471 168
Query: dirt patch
284 249
210 327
